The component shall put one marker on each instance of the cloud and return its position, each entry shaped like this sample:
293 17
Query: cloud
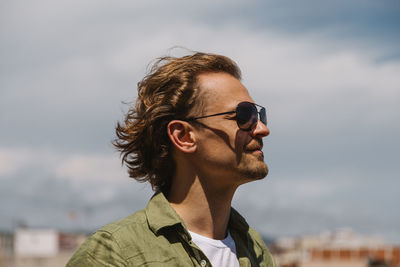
47 186
11 160
279 206
93 167
76 168
345 85
332 102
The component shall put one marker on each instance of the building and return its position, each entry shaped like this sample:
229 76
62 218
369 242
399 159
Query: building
341 248
38 247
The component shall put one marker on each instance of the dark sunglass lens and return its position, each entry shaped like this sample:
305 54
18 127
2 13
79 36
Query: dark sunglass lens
263 116
246 115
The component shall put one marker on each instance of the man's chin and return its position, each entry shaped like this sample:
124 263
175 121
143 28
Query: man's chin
261 174
255 171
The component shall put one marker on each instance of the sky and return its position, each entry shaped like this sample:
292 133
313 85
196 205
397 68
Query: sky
327 72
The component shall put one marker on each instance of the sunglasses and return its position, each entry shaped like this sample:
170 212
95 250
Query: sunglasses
247 115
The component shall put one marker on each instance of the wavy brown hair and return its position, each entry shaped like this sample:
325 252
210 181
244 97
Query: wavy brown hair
169 91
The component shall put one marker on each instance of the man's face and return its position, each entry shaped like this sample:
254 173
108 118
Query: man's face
225 152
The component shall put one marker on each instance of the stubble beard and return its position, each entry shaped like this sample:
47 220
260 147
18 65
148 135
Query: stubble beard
253 167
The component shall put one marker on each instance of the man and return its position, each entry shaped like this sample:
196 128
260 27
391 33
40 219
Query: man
195 135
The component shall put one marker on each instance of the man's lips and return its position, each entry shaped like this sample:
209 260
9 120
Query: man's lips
254 146
257 152
254 149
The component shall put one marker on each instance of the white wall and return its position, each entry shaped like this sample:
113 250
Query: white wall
35 243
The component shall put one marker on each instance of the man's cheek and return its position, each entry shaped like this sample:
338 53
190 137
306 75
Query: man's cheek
241 140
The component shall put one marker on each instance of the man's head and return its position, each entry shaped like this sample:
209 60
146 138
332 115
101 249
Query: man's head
156 129
169 91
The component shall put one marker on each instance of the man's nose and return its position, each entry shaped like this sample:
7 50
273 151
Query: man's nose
260 130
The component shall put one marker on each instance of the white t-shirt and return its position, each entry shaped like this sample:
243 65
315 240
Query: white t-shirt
221 253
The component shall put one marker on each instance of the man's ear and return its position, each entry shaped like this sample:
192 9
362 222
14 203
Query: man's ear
182 136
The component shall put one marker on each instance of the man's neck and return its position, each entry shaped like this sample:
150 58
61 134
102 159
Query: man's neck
204 210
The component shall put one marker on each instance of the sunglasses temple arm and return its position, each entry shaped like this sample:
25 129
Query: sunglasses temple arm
218 114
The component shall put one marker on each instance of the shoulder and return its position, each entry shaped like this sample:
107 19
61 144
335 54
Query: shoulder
260 247
249 238
133 226
109 243
256 238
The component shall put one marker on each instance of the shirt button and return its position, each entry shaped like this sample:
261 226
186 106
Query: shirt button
203 263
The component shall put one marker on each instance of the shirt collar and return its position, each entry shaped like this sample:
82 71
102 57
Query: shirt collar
160 214
238 224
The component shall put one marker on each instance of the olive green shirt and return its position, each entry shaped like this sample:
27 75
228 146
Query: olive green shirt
157 236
